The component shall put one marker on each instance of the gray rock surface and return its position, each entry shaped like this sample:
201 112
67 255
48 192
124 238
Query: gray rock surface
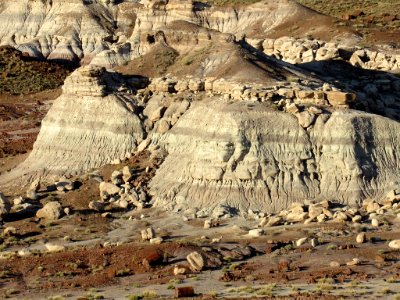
246 155
85 128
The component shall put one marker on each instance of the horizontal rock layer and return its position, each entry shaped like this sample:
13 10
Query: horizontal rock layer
247 155
85 128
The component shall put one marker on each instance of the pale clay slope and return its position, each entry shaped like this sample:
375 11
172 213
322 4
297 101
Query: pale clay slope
85 128
245 155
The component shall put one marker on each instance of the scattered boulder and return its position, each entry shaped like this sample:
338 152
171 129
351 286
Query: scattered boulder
50 247
256 232
51 211
196 261
301 241
184 292
361 238
10 231
127 174
375 222
355 261
179 270
207 224
337 98
97 205
148 234
116 177
156 241
108 189
65 185
31 194
395 244
5 205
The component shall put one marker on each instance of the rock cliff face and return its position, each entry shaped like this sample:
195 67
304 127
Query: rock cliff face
247 155
87 126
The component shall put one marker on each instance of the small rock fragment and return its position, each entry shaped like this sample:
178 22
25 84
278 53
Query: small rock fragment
10 231
54 247
179 270
196 261
5 205
156 241
97 205
256 232
301 241
51 211
207 224
353 262
395 244
32 195
375 222
184 292
360 238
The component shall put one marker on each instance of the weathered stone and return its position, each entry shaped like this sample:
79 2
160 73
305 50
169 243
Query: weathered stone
127 173
51 247
361 238
5 205
148 234
31 194
305 118
314 211
353 262
156 241
274 220
196 261
157 114
301 241
375 222
256 232
340 98
179 270
51 211
108 189
10 231
163 126
395 244
97 205
207 224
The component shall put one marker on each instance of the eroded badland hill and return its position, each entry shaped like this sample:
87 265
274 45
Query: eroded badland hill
199 149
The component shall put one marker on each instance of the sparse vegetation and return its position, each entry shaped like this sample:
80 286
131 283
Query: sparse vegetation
22 75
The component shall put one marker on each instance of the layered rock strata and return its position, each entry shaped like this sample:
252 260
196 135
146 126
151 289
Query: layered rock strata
87 127
246 155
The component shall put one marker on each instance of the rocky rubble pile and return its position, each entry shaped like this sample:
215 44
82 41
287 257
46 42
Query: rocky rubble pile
303 51
374 213
120 192
298 93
